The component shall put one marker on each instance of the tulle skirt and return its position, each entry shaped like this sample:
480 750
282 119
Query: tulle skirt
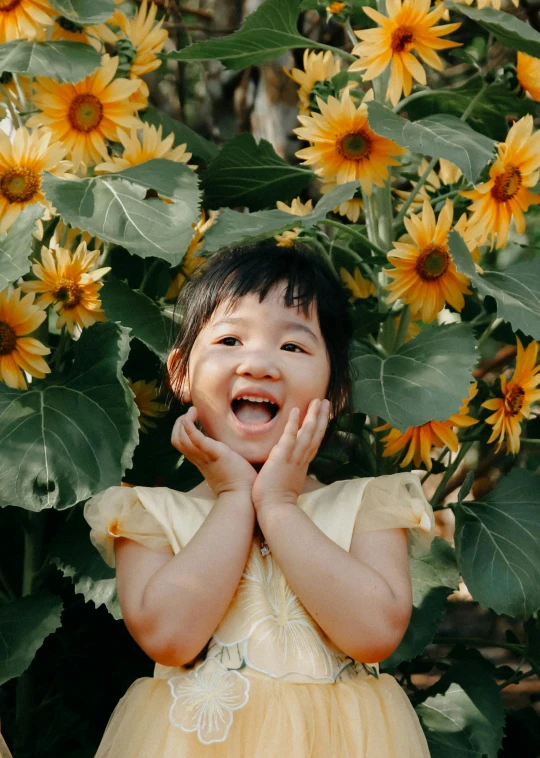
360 717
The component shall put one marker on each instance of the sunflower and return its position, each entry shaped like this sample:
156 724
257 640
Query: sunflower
24 19
146 37
69 280
413 330
191 260
145 398
351 209
85 114
318 67
505 195
358 285
344 147
140 147
425 276
446 174
422 438
17 352
335 8
408 28
96 35
296 208
528 74
518 395
22 163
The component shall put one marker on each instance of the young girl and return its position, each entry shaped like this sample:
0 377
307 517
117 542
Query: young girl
265 597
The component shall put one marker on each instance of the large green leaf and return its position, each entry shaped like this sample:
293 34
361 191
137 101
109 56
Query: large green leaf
507 29
69 437
250 173
24 624
123 207
233 227
441 136
67 61
498 545
468 720
425 380
73 553
433 578
516 290
136 311
267 33
183 135
84 13
16 245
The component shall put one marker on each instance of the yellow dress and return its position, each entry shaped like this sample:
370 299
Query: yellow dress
271 683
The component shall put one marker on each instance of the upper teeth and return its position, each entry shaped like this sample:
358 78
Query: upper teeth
254 399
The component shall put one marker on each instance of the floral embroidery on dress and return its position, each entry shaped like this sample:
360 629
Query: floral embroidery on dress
205 698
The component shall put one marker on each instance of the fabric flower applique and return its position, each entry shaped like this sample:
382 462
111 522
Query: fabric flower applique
204 700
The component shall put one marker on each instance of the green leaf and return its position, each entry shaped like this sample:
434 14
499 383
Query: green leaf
468 720
252 174
84 13
122 208
532 649
65 60
441 136
516 290
183 135
16 245
507 29
135 310
433 578
267 33
25 623
425 380
498 545
73 553
68 437
233 227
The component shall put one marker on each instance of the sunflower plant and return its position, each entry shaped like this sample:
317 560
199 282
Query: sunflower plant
415 172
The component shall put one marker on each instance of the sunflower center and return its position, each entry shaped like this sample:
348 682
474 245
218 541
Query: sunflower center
354 146
514 400
402 39
8 5
433 262
8 338
85 112
19 184
506 184
68 292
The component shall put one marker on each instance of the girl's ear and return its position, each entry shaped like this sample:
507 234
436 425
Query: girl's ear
181 389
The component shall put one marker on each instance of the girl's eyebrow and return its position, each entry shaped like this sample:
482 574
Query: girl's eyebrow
293 325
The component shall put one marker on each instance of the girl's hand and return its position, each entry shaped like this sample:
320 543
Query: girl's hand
223 469
282 477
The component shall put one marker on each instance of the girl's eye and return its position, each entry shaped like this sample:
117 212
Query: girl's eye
227 338
293 345
223 340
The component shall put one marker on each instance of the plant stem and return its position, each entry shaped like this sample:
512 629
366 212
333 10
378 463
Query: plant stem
379 348
448 473
336 51
350 31
7 587
357 235
404 321
441 456
20 92
439 639
469 109
413 193
148 273
15 118
489 330
529 441
517 678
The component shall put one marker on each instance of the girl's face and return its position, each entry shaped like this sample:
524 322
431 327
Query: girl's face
258 349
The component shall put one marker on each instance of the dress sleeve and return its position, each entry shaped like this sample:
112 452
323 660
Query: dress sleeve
118 512
398 501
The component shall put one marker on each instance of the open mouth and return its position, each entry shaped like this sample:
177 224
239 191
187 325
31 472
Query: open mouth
254 412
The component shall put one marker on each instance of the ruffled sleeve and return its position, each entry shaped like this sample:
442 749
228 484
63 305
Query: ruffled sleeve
395 501
118 512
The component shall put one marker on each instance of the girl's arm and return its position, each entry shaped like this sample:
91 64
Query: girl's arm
173 604
362 600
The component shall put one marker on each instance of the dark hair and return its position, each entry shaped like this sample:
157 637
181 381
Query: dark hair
257 268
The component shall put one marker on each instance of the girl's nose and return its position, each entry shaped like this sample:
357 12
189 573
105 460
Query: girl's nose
258 365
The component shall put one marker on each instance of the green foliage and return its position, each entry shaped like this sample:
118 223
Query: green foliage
78 431
427 378
80 12
126 208
498 545
197 145
252 174
65 60
441 136
16 245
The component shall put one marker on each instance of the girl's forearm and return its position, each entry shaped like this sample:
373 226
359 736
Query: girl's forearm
186 598
350 601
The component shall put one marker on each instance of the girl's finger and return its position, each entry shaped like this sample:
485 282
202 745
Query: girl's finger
309 425
289 435
201 442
